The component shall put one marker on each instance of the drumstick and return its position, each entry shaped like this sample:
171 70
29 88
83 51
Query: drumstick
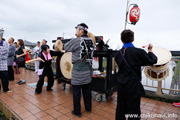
144 46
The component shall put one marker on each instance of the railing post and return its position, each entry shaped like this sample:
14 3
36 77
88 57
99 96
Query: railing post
159 89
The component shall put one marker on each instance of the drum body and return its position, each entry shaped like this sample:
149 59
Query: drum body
160 70
157 73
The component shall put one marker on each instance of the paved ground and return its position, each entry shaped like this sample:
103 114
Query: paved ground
58 105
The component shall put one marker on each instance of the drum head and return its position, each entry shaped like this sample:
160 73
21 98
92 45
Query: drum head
163 55
66 65
58 45
160 68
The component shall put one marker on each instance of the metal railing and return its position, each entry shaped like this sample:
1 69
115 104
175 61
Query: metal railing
170 85
31 65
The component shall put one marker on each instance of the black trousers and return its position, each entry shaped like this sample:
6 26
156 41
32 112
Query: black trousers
10 73
4 80
126 106
49 73
58 71
86 90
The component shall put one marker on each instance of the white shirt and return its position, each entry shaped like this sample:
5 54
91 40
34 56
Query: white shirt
35 51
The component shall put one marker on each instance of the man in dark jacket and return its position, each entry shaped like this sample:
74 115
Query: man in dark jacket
10 60
130 89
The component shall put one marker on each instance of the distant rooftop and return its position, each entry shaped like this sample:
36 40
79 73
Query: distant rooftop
27 43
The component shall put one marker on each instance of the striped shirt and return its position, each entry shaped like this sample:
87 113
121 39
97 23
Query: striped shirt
4 49
80 76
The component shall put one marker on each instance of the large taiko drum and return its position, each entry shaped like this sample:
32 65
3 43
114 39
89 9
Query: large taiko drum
160 70
66 65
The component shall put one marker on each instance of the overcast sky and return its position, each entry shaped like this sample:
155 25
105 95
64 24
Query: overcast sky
35 20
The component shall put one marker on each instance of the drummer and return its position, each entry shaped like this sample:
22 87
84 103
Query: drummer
129 60
81 72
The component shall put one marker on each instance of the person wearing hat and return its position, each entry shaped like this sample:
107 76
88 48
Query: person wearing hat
36 52
82 49
129 60
45 65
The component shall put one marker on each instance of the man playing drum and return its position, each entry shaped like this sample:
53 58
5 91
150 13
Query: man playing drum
129 60
82 52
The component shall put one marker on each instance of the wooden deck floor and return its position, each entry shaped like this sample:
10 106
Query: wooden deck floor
58 104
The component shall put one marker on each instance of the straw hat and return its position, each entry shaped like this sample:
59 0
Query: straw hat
66 65
58 45
90 35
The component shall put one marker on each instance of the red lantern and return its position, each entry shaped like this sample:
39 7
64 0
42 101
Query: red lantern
134 14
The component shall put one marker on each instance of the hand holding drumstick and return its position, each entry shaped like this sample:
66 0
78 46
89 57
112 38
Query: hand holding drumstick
150 47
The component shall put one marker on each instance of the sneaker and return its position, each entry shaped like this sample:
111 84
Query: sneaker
19 81
36 93
10 80
177 104
22 82
9 91
89 111
50 90
76 114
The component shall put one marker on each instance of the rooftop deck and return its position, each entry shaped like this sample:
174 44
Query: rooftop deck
58 104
